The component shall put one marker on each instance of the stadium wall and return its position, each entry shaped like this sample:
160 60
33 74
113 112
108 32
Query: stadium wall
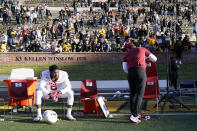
49 58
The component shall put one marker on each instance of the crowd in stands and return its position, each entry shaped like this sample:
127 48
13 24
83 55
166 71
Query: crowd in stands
155 26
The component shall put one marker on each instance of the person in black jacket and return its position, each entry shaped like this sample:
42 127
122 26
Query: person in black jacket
173 72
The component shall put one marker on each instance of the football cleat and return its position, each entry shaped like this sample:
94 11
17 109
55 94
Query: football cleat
70 118
38 118
134 119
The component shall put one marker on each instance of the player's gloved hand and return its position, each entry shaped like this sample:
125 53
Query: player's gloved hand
54 97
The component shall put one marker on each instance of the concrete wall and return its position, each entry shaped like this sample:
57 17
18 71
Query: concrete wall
111 58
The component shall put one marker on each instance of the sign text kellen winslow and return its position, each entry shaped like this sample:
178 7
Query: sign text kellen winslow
20 58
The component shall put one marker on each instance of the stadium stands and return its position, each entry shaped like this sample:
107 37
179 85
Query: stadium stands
77 20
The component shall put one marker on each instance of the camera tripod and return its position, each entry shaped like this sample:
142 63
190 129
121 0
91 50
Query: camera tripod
169 97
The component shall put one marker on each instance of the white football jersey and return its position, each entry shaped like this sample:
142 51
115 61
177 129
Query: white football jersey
47 85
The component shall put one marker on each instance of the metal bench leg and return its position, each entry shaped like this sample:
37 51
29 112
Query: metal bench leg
64 107
4 108
3 101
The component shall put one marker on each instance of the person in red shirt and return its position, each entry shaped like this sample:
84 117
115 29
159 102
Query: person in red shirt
134 63
127 44
117 29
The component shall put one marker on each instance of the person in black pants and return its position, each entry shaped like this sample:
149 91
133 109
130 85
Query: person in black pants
179 50
135 65
173 72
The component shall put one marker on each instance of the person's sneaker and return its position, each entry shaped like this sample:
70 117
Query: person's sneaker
135 119
38 118
70 118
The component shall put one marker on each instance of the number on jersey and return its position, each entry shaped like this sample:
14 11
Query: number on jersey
53 87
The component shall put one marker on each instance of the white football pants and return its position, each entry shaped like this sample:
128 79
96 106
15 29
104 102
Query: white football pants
69 94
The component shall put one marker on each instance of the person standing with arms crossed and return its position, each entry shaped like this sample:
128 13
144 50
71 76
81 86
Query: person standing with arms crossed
134 63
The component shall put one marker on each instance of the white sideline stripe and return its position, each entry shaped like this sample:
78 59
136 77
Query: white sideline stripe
160 114
112 84
105 85
118 115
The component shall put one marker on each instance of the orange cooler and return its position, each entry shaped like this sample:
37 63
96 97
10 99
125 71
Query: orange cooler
92 106
22 92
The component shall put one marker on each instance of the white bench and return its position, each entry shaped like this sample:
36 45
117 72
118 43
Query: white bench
101 84
3 77
113 84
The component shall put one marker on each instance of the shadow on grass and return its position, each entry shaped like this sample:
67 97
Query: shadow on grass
29 121
111 120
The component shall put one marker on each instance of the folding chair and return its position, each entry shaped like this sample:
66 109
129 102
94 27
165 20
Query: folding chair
88 89
152 84
89 97
21 92
187 87
152 89
21 87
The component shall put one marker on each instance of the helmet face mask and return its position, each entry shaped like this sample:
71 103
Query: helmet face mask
50 116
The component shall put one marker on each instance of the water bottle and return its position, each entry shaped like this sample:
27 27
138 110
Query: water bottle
1 119
147 117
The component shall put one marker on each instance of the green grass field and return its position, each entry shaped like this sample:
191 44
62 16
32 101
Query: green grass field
156 123
100 71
